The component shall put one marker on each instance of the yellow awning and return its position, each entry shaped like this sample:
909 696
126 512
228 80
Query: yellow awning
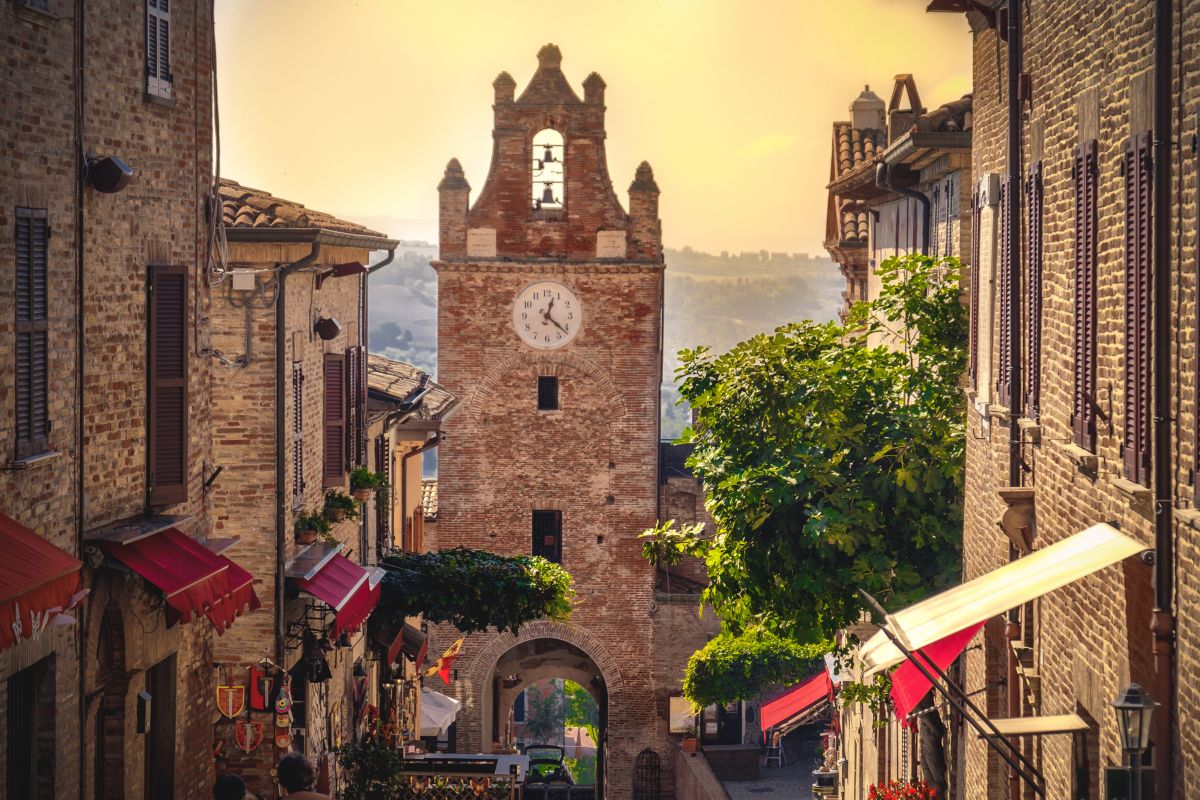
998 591
1041 726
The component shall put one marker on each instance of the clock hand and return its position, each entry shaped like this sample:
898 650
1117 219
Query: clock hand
554 322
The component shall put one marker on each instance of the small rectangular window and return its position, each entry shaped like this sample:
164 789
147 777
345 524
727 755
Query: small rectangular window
159 80
547 535
547 393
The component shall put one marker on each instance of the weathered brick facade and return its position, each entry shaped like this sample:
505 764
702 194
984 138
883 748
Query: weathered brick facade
594 458
1090 68
66 96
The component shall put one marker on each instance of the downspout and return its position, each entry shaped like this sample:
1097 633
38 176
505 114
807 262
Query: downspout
1163 624
883 179
1013 232
280 472
430 443
80 507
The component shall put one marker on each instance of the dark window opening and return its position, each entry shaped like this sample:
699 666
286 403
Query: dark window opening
547 535
160 739
29 762
547 393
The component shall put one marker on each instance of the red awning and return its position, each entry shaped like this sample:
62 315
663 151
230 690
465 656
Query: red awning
909 686
37 583
343 586
796 701
193 578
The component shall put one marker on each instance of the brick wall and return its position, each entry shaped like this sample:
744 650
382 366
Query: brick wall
1092 637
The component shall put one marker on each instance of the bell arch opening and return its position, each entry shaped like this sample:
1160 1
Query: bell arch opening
548 191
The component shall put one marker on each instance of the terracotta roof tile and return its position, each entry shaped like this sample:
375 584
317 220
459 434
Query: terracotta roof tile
244 207
952 117
401 382
856 146
429 499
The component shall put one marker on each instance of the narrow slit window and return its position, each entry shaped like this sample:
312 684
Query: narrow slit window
547 535
547 393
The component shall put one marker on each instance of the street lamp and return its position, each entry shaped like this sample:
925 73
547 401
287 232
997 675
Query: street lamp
1135 709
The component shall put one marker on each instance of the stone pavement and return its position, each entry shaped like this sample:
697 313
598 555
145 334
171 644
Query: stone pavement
791 782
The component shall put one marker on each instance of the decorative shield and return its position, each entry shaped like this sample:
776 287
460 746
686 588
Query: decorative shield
231 700
283 721
248 735
283 740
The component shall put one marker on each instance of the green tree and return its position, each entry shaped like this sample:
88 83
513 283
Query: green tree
473 590
543 715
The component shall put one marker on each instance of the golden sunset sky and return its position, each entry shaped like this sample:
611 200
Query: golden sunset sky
355 106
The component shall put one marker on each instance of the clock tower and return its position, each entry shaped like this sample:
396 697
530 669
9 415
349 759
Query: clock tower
550 301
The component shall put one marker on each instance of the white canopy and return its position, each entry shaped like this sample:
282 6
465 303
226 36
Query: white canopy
998 591
437 712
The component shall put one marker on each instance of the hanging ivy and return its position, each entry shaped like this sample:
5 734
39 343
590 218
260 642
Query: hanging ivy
474 590
735 667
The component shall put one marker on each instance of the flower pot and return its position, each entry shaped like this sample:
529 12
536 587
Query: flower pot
362 495
690 744
336 514
306 536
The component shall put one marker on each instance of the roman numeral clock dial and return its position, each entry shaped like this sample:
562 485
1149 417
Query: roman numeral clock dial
546 315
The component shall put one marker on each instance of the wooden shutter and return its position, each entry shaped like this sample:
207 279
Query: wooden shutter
1033 292
1135 442
333 472
32 333
973 352
167 444
159 81
352 432
361 399
383 505
547 535
1004 387
297 435
1083 407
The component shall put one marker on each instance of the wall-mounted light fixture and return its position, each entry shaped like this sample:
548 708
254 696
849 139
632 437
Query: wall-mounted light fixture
340 271
1135 709
327 328
107 174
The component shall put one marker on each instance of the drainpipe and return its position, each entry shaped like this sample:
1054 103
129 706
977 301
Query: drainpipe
280 471
430 443
80 524
883 179
1013 232
1163 625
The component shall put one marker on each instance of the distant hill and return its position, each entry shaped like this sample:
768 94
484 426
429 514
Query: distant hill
714 300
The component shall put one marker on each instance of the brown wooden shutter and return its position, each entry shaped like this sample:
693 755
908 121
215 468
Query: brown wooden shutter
362 405
383 506
297 435
32 333
167 445
333 472
1004 387
352 431
973 352
1136 434
1083 410
1033 293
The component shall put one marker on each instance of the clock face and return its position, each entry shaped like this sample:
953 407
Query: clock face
546 315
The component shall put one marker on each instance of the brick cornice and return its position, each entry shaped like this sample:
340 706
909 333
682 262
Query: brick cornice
549 267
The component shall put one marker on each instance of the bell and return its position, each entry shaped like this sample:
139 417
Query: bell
547 195
548 156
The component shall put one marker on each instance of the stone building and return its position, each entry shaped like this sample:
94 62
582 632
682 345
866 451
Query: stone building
104 404
899 183
549 329
1070 391
289 423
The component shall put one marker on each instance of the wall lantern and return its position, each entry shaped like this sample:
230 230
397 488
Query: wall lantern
1135 709
340 271
107 174
327 328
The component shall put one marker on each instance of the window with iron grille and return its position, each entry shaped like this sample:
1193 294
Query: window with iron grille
1004 387
1033 292
297 435
159 80
167 412
547 393
334 405
1135 443
547 535
31 378
1084 173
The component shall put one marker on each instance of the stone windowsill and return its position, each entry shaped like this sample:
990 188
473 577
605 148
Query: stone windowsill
1134 492
1189 516
158 100
1083 459
35 461
998 412
30 13
1031 430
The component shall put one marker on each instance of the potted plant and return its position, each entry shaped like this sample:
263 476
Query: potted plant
691 742
363 482
310 525
340 506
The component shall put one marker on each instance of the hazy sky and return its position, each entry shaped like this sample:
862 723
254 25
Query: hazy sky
355 107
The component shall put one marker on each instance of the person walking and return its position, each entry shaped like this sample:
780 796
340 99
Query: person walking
295 776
